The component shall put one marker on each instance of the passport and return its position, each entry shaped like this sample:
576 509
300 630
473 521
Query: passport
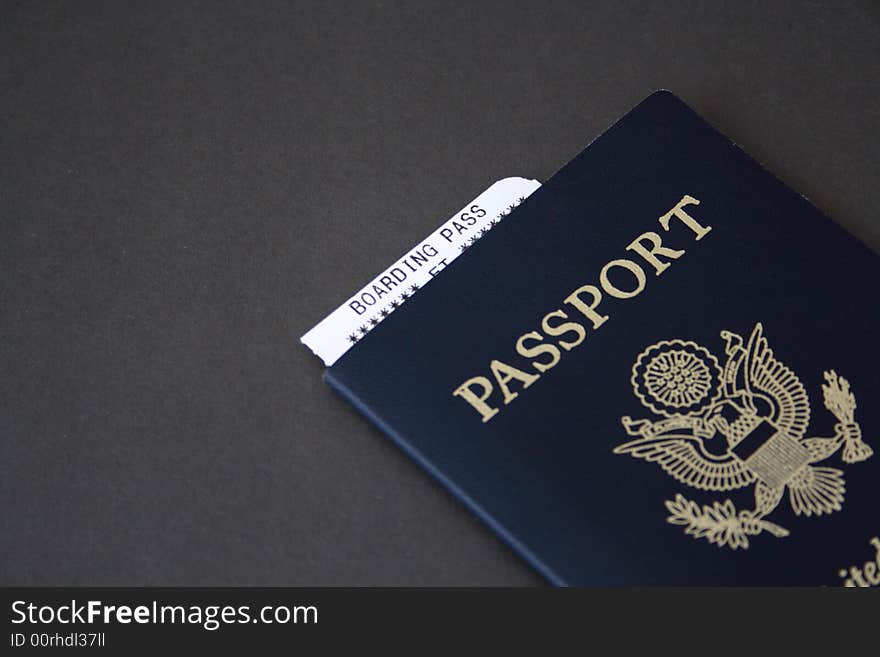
660 369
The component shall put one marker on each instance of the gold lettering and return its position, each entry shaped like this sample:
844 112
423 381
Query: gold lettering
505 373
589 311
650 255
615 291
677 212
557 333
868 575
856 576
477 401
562 329
534 352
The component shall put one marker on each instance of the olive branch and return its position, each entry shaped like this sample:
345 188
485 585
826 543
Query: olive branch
719 523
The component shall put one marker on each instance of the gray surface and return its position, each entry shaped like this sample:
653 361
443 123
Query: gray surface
184 191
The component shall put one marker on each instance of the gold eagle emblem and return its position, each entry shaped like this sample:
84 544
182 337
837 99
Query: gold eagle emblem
737 425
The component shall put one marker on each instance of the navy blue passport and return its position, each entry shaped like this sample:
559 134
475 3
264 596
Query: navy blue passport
662 368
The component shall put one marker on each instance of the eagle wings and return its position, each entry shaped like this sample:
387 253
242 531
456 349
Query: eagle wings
684 458
753 376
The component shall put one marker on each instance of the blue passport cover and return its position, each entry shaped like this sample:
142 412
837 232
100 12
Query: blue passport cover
662 368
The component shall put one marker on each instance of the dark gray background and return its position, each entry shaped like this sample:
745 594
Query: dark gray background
187 189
